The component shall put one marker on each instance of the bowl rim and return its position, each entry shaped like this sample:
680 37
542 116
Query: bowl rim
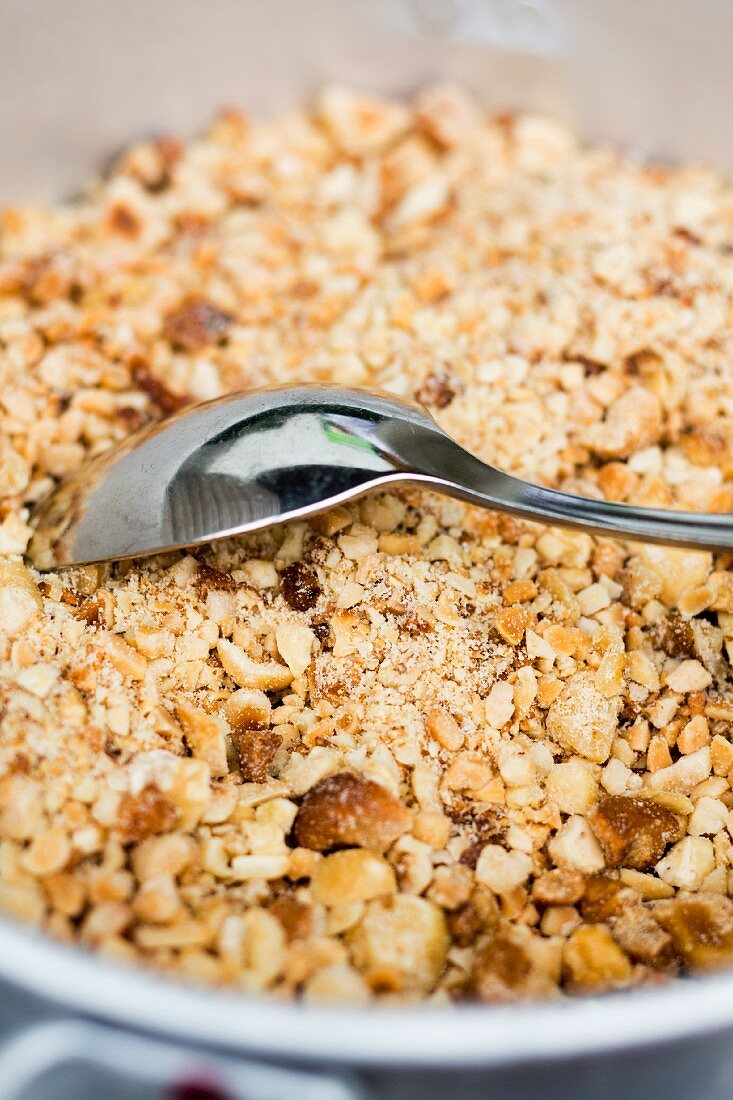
77 981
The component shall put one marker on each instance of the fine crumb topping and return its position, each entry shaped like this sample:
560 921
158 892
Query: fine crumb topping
409 750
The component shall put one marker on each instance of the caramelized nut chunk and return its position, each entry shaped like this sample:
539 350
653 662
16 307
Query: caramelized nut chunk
299 586
346 809
146 814
605 898
255 751
701 929
558 887
633 832
195 324
210 578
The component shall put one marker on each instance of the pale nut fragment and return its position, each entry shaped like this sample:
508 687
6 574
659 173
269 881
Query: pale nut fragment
688 863
361 124
447 114
571 786
48 853
336 984
347 809
684 775
403 939
709 817
689 676
675 570
351 875
248 673
575 848
206 735
502 870
20 599
632 422
295 643
128 662
582 719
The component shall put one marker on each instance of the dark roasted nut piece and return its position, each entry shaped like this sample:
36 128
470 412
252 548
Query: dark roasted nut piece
195 324
436 390
347 810
633 832
255 751
701 929
559 887
144 814
606 898
299 585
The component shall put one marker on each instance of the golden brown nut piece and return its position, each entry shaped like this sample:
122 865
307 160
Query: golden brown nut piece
344 810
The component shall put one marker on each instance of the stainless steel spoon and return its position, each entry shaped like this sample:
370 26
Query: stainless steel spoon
255 459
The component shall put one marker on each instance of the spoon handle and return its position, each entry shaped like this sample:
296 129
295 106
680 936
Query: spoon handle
504 493
447 466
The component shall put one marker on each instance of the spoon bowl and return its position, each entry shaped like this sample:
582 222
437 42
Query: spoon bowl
251 460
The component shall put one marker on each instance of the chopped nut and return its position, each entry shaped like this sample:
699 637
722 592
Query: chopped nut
685 774
701 929
144 814
404 940
256 751
260 675
501 870
248 709
294 643
633 832
299 586
347 809
688 863
689 676
196 323
444 729
583 720
558 887
593 960
352 875
575 848
206 734
503 971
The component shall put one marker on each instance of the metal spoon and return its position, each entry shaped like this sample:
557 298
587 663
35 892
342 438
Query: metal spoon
256 459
